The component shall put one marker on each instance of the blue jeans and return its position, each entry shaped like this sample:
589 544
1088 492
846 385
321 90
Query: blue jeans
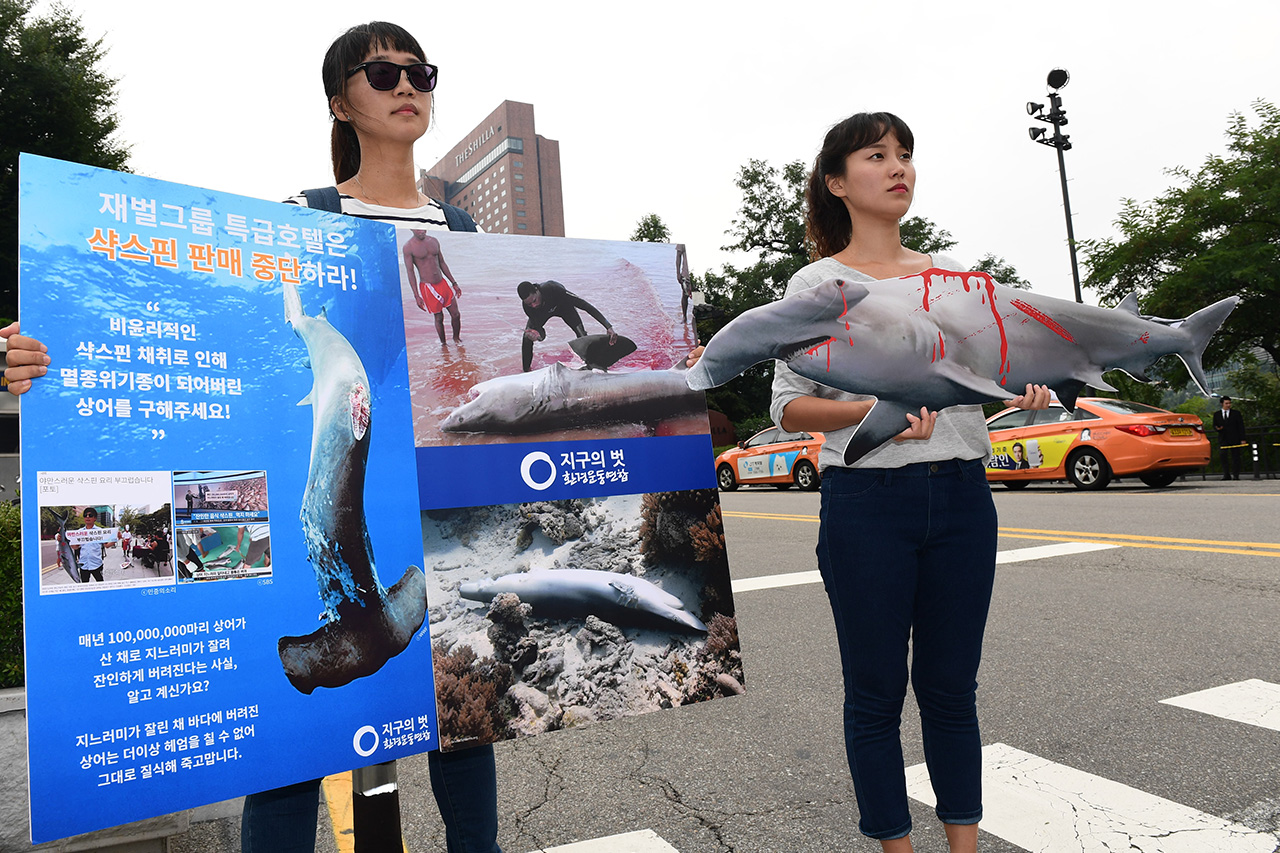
908 555
465 785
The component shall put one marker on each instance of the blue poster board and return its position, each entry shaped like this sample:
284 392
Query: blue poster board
258 454
229 647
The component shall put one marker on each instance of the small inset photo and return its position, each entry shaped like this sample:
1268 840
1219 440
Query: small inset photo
104 530
224 552
211 497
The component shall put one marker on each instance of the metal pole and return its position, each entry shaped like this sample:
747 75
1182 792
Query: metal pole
1059 143
375 809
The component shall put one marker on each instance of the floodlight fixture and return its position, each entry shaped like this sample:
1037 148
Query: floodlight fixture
1057 117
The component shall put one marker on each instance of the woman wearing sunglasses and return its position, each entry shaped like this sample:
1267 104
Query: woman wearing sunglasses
379 88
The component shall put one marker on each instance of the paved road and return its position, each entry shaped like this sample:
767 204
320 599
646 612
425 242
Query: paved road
1180 594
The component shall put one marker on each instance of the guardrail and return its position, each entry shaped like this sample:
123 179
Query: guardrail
1259 454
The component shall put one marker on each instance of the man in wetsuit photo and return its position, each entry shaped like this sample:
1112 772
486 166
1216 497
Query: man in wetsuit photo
547 299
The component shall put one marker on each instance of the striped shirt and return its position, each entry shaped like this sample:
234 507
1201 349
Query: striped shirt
429 216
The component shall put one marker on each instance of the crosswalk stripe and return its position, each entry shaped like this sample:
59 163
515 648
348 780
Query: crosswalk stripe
1037 804
644 841
1253 701
1040 552
1013 555
771 581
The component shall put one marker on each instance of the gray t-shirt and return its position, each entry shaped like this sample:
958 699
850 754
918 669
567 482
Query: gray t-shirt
960 433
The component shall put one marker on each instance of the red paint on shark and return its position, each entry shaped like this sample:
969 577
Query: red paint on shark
1036 314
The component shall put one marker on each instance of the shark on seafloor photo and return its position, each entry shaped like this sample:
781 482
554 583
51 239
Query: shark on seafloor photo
942 338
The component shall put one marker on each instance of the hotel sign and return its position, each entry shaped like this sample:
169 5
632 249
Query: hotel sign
474 145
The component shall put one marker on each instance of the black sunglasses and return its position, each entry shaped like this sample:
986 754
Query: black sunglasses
384 76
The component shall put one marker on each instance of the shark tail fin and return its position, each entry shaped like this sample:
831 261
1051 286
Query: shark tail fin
292 304
1200 328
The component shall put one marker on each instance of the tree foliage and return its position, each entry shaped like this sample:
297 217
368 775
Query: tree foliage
1216 233
651 229
56 101
1002 271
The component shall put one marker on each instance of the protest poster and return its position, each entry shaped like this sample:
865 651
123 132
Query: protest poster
206 669
586 493
232 385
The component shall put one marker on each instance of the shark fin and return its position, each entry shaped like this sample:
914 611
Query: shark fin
885 420
292 304
957 373
1200 328
324 313
1130 305
1101 384
307 400
1068 392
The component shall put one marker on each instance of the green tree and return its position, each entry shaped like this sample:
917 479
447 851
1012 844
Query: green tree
56 101
651 229
1002 271
1214 234
921 235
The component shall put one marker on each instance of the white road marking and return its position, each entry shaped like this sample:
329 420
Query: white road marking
1254 702
771 581
1040 552
1039 805
644 841
1013 555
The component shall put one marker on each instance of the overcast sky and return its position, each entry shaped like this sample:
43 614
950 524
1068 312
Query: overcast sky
656 108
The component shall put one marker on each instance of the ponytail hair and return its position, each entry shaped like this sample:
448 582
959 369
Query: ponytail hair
827 223
346 52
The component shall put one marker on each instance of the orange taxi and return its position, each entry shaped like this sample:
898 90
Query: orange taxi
1103 438
771 457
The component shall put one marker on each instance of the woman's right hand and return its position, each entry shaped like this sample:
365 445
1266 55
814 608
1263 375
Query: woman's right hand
921 427
26 357
694 354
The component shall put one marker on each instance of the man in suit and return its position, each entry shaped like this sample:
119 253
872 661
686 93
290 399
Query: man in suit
1230 427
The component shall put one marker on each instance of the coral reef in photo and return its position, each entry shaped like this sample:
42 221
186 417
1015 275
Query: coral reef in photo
505 670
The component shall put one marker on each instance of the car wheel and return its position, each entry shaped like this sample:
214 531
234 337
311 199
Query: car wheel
1016 485
1088 469
1158 479
806 476
725 479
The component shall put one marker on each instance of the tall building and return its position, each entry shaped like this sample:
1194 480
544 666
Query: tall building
504 174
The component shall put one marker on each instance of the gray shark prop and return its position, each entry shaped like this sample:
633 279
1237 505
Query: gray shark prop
65 551
367 624
941 338
557 397
578 593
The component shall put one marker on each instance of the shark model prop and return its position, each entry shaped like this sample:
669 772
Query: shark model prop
366 624
941 338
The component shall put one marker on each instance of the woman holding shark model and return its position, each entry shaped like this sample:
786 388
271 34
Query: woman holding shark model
907 541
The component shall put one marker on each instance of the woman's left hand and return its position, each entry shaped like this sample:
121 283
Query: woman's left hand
694 354
1035 397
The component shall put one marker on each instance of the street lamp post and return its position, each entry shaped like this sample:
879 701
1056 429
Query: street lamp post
1057 117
